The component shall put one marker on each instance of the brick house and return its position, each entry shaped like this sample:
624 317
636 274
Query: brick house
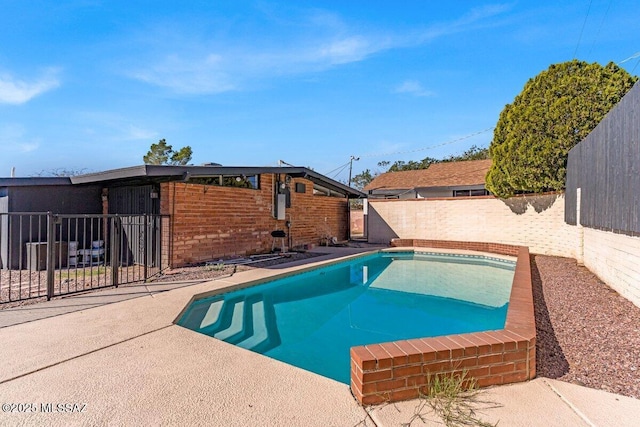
221 211
447 179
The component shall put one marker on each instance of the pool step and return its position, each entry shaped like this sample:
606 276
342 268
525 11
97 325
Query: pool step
217 317
259 327
212 315
265 332
248 322
236 325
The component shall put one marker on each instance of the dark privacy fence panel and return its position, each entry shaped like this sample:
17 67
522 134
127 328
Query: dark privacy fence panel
606 167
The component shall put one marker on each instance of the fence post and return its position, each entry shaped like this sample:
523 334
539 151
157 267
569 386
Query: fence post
146 238
580 229
51 253
115 250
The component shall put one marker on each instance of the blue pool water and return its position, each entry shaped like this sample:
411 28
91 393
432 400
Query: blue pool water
311 319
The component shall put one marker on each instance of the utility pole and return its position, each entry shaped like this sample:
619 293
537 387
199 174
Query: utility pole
351 166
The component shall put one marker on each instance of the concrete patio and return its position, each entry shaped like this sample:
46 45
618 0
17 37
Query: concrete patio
117 354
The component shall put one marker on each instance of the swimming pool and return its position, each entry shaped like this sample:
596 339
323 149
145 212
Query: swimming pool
312 319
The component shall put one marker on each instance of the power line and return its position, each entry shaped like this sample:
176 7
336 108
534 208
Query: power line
335 176
635 55
634 67
575 52
339 167
604 17
432 146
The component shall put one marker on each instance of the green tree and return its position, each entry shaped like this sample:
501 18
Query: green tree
163 154
401 165
473 153
362 179
555 110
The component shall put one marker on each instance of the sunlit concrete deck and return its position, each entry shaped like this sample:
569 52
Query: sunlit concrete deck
130 365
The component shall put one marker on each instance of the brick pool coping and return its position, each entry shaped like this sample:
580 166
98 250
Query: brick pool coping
400 370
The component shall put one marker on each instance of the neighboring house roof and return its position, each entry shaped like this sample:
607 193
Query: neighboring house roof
145 173
446 174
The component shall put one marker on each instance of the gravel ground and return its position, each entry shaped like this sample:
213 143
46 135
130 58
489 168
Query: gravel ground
587 333
223 268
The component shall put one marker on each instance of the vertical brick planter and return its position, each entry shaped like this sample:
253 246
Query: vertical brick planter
399 370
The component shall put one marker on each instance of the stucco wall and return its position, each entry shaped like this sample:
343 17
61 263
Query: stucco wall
615 259
536 222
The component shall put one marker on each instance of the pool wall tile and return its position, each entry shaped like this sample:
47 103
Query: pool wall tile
402 370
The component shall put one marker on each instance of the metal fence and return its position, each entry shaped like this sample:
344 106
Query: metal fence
47 255
605 166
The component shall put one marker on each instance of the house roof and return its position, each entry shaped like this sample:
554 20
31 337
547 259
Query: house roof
446 174
146 173
34 181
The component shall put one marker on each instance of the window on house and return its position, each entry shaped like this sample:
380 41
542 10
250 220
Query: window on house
240 181
469 193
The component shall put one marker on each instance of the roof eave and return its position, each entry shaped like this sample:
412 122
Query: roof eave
159 171
34 181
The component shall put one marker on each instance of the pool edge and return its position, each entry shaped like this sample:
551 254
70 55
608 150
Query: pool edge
298 269
400 370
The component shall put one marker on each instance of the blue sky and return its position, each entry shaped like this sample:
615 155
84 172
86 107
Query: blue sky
90 85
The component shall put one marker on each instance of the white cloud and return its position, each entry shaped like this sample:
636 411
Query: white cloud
185 61
345 50
17 91
136 133
414 88
202 71
189 75
13 139
27 147
118 126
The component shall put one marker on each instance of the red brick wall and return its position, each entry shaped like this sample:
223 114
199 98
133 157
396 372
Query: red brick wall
209 222
314 216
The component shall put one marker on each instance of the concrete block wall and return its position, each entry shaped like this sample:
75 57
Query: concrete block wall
209 222
533 221
615 259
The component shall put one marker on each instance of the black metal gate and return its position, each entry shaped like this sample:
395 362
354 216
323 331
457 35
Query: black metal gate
137 207
46 255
